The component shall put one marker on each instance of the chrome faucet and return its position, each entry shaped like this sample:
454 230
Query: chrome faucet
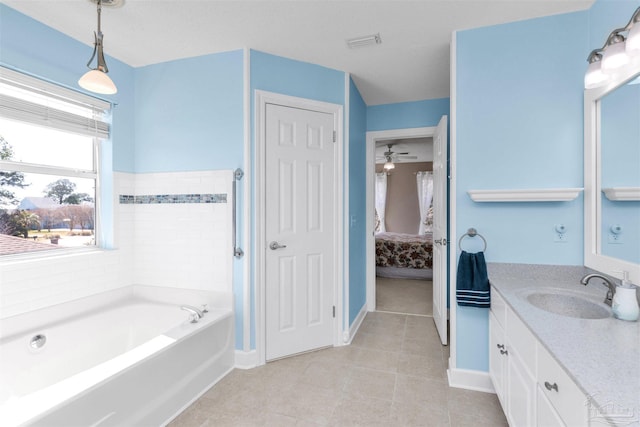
612 287
195 313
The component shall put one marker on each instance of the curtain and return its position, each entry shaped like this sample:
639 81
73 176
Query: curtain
425 196
381 199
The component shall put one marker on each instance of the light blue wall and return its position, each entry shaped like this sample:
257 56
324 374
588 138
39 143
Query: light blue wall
357 202
519 125
407 114
29 46
294 78
189 114
189 117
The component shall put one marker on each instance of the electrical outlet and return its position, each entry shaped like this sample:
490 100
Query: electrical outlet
615 234
560 238
561 233
615 239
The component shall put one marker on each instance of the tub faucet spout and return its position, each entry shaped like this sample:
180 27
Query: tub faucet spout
195 313
612 287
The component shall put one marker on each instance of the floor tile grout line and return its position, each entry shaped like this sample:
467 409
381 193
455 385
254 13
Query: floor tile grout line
404 314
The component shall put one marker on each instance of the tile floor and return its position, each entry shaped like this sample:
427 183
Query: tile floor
407 296
393 374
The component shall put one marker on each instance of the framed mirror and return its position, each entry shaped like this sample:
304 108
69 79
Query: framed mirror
612 175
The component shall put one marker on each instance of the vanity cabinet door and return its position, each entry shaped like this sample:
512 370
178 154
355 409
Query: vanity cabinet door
560 391
546 414
497 358
521 396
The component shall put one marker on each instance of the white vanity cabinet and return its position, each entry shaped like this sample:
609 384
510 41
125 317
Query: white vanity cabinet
532 387
511 365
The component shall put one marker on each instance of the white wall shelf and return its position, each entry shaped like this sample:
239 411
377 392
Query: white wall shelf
525 195
622 194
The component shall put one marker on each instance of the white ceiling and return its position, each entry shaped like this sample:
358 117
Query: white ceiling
412 63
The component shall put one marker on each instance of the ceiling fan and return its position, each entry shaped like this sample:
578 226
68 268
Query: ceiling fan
390 156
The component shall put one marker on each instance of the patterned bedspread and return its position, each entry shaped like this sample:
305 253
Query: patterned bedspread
404 250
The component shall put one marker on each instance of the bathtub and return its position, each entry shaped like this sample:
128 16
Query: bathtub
128 357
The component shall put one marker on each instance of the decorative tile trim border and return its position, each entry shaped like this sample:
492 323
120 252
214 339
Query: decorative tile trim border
157 199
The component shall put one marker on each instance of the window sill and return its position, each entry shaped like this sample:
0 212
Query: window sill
47 255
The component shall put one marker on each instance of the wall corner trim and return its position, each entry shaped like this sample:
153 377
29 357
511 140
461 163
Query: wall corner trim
355 325
246 359
470 380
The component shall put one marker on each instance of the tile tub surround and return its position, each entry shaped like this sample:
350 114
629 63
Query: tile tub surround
602 356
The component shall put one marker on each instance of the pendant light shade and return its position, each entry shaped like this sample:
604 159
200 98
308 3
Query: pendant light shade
96 79
388 166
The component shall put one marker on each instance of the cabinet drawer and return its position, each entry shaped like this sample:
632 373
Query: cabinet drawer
522 341
498 307
568 400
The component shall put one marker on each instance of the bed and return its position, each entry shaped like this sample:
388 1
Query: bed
404 255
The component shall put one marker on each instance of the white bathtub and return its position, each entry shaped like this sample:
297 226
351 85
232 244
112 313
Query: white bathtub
129 357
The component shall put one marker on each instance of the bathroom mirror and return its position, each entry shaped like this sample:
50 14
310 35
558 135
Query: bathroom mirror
612 176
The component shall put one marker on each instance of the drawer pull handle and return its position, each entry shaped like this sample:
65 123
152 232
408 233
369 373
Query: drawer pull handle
501 346
550 387
504 352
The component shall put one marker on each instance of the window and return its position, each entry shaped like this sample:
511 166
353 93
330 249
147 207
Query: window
49 147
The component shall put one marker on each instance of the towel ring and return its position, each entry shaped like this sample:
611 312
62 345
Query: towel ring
472 232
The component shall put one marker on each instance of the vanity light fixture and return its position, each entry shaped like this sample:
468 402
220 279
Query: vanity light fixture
595 77
617 52
96 79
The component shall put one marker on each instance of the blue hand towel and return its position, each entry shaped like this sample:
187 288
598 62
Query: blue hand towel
472 283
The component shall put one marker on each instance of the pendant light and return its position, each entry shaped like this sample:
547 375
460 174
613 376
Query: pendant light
96 79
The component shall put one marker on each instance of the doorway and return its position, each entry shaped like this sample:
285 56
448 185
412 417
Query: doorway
298 228
403 265
438 237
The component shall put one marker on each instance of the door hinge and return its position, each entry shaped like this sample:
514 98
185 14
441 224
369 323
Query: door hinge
334 311
335 136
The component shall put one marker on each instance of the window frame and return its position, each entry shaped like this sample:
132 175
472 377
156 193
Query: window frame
97 127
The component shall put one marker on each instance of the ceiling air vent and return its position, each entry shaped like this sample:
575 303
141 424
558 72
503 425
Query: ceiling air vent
364 41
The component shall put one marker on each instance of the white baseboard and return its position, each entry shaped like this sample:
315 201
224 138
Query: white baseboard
246 359
356 324
470 380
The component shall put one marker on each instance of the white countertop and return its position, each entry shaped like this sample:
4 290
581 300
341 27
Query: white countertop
602 356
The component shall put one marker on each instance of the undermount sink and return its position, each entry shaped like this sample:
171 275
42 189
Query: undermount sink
568 304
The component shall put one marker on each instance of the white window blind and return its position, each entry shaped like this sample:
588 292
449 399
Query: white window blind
32 100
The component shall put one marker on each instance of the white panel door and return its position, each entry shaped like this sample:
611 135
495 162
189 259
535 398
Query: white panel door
440 229
300 230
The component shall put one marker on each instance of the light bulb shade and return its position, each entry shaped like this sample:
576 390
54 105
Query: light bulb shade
594 76
98 82
633 39
615 56
388 166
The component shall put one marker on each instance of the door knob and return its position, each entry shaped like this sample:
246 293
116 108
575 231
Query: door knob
275 245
